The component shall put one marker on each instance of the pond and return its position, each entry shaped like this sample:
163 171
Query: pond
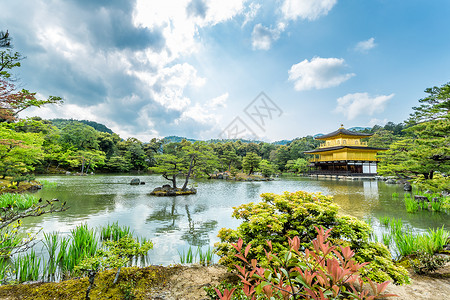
175 223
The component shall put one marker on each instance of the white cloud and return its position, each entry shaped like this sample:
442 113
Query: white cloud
253 9
319 73
365 46
306 9
218 102
262 37
179 29
353 105
205 113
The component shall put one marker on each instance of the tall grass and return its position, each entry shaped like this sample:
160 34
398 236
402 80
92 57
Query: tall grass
384 221
17 201
434 240
436 206
190 257
405 242
205 258
395 195
27 267
4 269
114 232
48 184
411 205
51 241
186 257
386 238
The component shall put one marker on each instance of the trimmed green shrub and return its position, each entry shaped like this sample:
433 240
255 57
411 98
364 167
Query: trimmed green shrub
280 217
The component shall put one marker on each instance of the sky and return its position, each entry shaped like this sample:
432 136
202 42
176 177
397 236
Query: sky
264 70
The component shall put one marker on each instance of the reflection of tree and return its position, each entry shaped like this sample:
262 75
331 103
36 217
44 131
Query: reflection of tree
167 215
198 236
252 190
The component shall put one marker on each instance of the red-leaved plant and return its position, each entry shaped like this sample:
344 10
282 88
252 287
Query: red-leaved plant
326 272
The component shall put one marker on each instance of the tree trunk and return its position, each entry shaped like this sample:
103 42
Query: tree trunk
89 164
191 166
173 179
82 165
250 172
229 167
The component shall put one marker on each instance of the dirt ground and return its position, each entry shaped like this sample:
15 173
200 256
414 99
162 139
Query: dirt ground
187 283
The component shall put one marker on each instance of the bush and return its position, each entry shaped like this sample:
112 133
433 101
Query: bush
280 217
324 271
427 263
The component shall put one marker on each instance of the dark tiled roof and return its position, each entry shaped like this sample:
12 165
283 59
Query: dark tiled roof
342 147
342 131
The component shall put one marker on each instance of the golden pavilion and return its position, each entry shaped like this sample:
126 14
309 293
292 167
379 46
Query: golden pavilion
343 153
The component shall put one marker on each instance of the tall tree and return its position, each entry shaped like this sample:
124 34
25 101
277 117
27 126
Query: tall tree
199 158
427 147
251 162
169 166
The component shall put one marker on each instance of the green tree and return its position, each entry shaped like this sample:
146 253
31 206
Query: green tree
169 166
251 162
229 157
382 139
118 164
87 160
301 165
426 149
281 156
135 154
19 151
267 168
436 106
199 158
79 136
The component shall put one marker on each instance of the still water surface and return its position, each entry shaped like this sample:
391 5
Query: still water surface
174 223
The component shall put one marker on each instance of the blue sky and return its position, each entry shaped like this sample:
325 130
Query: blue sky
195 68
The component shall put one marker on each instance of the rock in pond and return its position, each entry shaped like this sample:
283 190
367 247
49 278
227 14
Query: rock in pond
135 181
167 190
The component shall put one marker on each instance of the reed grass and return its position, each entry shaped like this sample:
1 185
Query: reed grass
395 195
436 206
48 184
386 238
114 232
17 201
396 226
407 243
51 241
27 267
435 240
384 220
411 205
4 269
205 258
187 257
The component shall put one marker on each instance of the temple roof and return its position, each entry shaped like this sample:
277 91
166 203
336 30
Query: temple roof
342 147
343 131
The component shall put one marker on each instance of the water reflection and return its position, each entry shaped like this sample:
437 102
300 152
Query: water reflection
168 215
175 223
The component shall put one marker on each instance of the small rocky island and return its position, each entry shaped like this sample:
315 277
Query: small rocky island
167 190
